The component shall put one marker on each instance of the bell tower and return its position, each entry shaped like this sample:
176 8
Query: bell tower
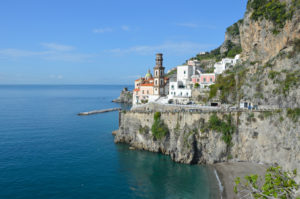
159 74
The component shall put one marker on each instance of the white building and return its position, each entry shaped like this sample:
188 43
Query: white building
182 88
221 66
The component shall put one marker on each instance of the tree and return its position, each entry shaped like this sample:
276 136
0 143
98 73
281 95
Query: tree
276 184
196 85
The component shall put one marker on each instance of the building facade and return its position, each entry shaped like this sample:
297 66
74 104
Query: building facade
150 88
221 66
182 87
204 79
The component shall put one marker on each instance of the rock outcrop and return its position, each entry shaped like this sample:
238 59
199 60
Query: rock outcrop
260 137
125 97
258 40
272 58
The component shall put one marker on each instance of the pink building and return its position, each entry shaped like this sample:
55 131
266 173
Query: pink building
204 79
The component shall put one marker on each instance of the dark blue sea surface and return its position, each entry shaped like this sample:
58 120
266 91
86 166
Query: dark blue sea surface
48 152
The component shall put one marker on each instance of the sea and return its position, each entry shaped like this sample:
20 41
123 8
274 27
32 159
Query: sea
47 151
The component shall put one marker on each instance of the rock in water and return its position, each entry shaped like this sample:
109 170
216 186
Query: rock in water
125 97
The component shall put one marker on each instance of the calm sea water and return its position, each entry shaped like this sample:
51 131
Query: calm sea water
48 152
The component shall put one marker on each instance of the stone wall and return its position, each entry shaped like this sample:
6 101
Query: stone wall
260 138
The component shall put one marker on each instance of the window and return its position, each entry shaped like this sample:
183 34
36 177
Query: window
184 72
204 79
211 80
147 92
156 82
143 91
161 73
187 94
172 86
156 73
161 82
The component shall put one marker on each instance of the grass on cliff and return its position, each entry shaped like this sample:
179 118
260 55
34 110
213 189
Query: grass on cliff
273 10
159 128
291 80
227 86
294 114
225 126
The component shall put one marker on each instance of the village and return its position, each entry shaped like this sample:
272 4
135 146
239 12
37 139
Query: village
178 88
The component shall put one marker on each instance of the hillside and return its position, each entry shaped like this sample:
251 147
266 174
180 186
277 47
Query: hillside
268 38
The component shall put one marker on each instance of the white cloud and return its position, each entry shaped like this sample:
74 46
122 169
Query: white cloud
10 52
57 47
170 47
125 28
55 52
194 25
70 57
187 25
102 30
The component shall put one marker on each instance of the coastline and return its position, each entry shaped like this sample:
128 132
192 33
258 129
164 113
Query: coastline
228 171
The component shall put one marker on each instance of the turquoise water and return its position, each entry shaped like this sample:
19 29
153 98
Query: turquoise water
48 152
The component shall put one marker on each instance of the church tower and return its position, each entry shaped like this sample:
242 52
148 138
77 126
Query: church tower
159 82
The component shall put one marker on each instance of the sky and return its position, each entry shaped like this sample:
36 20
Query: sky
105 41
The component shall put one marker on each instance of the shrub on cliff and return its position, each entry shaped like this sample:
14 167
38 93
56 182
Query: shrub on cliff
159 128
226 127
294 114
273 10
276 184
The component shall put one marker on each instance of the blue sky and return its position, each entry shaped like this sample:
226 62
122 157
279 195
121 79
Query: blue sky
105 42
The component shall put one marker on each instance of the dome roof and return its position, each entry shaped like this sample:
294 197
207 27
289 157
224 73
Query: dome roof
148 75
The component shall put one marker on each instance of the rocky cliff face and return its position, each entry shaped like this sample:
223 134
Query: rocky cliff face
260 138
271 55
269 73
258 40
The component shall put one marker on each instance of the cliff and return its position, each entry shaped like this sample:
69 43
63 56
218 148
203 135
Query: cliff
260 137
270 40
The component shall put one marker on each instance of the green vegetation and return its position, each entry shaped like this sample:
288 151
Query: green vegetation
232 49
144 130
292 79
196 85
233 30
144 101
276 184
294 114
172 72
286 82
226 127
268 65
273 10
186 137
235 50
227 85
159 128
296 48
273 74
297 45
214 54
